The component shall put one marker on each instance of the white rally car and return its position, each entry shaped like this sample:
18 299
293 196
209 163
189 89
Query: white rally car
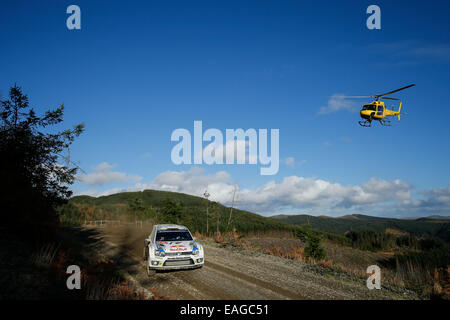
172 247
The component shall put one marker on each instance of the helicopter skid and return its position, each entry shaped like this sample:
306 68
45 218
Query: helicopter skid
365 123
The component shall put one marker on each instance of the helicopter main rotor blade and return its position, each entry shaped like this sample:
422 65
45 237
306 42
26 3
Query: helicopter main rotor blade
384 94
391 98
356 97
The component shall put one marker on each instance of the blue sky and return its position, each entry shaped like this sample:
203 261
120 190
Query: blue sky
137 70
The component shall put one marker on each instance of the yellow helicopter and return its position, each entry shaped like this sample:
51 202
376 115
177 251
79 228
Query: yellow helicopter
376 110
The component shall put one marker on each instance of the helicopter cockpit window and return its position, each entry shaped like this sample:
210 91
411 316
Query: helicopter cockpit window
380 110
369 107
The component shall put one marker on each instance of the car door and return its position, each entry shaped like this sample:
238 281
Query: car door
148 242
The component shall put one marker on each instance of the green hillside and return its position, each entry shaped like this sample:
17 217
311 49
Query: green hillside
191 211
173 207
431 227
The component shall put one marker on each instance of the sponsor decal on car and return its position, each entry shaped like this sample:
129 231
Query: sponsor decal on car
178 247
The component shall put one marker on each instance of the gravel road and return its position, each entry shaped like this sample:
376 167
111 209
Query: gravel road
233 274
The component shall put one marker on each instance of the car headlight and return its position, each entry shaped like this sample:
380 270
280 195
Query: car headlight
160 253
195 251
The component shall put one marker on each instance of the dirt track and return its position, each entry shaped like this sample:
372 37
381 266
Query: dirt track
232 274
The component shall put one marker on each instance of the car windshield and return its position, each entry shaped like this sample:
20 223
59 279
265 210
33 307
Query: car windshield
369 107
173 236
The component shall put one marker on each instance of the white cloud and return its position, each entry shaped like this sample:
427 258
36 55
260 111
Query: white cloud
295 194
103 174
289 161
299 192
414 50
440 51
431 202
194 182
377 191
229 150
336 103
146 155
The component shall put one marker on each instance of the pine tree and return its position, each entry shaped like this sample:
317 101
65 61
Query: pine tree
34 182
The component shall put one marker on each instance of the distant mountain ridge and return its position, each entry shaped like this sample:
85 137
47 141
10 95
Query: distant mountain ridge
433 226
435 217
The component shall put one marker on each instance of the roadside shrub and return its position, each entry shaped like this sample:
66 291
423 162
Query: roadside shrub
313 240
314 247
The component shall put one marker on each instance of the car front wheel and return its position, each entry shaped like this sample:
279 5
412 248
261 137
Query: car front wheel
145 255
150 272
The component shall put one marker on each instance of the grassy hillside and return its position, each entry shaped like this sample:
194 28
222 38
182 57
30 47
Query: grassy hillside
192 211
430 227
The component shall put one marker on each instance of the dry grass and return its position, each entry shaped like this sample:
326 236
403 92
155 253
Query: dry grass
228 237
412 272
434 283
125 291
98 290
45 255
271 234
231 237
200 236
442 282
113 290
396 232
294 253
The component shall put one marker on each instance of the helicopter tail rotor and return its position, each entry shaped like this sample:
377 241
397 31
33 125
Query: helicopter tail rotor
399 111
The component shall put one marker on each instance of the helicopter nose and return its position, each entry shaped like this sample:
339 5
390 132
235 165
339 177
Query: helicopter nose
364 113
